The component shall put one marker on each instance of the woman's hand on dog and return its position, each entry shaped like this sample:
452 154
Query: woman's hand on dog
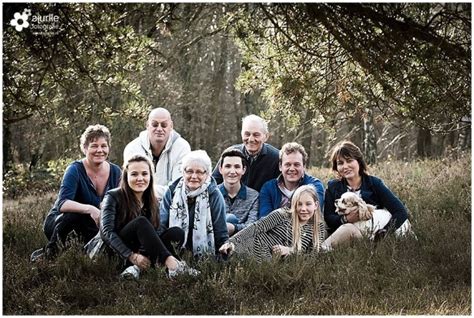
352 217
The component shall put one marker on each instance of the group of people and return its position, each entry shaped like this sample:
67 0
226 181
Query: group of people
257 202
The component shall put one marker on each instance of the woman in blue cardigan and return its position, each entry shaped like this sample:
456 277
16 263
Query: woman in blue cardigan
348 162
85 182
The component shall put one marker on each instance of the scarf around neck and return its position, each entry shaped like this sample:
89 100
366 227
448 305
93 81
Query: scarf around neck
203 231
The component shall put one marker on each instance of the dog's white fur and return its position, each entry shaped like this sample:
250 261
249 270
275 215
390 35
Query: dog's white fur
370 219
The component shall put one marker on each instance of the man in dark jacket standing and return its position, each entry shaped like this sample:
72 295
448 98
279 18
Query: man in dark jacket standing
262 157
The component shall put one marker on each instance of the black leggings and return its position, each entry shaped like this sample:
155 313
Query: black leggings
139 234
58 228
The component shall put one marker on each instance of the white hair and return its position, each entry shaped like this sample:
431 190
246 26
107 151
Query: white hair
199 157
257 119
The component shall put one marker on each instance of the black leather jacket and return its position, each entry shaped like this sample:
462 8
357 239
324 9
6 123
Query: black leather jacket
109 227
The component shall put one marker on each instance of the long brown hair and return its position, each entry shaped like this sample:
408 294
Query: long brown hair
129 204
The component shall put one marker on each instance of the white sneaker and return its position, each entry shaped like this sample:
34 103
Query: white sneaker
131 272
182 268
37 255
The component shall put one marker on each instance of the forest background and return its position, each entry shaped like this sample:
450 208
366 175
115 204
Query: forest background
393 78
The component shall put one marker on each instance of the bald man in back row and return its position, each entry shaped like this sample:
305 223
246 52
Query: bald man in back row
163 146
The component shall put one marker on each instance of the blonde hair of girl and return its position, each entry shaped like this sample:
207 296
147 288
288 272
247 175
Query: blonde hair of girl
295 221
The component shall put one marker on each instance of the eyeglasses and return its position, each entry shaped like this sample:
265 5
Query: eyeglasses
198 173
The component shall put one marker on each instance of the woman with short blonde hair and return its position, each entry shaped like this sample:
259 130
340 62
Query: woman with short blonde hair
85 182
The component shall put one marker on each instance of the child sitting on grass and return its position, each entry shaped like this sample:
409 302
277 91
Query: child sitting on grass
299 229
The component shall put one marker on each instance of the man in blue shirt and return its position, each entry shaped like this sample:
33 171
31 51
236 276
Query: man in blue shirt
277 193
241 201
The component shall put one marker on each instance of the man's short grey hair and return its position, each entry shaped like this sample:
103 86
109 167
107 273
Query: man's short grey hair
257 119
198 157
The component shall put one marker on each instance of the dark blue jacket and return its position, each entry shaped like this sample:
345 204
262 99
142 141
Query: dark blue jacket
264 168
270 195
218 212
373 191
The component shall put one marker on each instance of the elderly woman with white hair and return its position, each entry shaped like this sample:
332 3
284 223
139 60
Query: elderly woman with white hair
194 203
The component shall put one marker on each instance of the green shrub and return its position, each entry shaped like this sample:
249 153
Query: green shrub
21 181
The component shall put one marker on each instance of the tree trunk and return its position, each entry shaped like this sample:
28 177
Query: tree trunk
308 133
464 134
404 147
370 141
218 84
7 156
423 143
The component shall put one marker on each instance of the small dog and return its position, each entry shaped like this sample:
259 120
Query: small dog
370 219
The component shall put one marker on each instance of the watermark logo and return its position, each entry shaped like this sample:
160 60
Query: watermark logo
20 20
38 24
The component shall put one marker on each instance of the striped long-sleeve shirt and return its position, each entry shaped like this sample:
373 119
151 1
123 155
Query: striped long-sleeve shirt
258 239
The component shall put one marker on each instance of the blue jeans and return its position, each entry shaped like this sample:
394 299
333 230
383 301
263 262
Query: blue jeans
231 218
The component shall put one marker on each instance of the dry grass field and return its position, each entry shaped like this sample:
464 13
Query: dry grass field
428 275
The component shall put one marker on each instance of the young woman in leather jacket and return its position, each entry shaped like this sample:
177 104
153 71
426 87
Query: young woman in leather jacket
130 219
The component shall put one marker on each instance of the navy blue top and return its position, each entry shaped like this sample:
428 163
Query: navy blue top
373 191
77 186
